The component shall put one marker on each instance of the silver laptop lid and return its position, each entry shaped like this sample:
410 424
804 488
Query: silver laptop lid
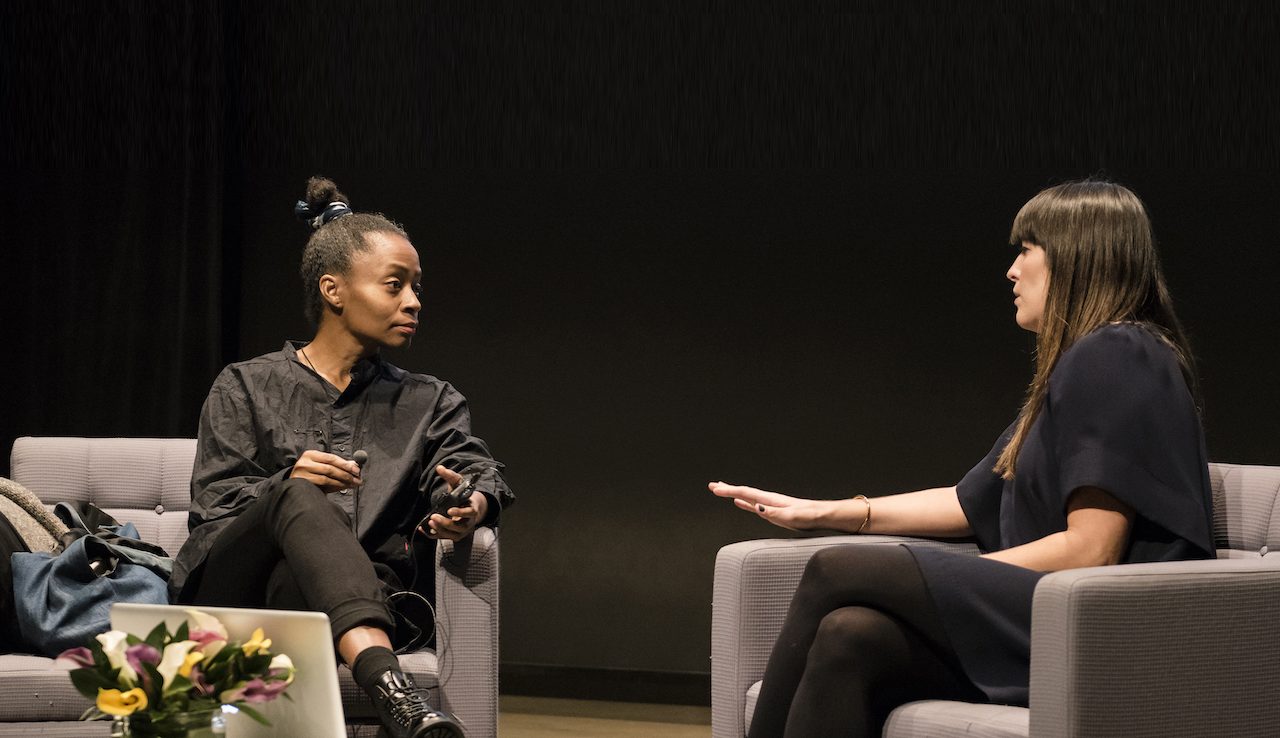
316 705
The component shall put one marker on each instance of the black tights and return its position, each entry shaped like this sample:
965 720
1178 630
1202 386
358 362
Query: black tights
861 637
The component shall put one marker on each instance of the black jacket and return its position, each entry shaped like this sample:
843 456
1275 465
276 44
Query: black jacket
262 414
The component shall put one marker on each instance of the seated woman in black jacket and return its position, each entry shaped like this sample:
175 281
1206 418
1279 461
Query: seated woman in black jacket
323 473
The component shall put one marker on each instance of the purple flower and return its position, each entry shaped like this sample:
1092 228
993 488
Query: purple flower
202 685
76 658
139 654
205 637
255 691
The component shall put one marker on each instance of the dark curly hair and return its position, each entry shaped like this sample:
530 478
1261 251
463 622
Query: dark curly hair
330 247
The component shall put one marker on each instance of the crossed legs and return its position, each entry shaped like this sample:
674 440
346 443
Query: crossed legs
861 638
289 536
293 549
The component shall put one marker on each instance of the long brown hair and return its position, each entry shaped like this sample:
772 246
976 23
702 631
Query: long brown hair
1103 268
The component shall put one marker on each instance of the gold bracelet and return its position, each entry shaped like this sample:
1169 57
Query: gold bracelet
867 519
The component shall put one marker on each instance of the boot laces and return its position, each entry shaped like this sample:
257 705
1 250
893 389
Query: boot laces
409 702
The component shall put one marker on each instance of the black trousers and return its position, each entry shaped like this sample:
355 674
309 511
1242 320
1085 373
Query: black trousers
861 637
292 549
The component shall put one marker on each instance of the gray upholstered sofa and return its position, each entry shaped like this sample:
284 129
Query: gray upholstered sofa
1187 649
147 481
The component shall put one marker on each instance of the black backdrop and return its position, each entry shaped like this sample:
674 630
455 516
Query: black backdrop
659 249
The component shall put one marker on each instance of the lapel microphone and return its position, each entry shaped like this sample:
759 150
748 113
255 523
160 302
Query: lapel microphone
361 457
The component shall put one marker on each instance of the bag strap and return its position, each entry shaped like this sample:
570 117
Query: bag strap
84 515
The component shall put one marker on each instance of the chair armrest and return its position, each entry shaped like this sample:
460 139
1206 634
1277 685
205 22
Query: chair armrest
754 584
467 636
1187 648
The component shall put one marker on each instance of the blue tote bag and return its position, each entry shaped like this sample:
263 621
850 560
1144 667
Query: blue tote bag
64 601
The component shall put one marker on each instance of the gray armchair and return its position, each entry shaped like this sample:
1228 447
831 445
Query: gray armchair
1170 649
147 482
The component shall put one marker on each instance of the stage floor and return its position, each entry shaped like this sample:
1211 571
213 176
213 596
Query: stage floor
541 717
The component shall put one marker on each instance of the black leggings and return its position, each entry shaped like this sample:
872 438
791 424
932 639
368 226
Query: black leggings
292 549
862 637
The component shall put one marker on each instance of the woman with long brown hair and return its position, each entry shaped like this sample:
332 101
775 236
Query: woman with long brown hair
1104 464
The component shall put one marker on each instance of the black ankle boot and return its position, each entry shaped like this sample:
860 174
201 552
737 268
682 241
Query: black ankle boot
402 707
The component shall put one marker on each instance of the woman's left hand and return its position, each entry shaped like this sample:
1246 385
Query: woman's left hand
458 522
784 511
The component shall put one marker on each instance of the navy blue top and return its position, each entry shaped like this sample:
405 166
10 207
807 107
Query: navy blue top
1117 416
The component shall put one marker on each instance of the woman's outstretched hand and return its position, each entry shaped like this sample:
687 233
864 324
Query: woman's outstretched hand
784 511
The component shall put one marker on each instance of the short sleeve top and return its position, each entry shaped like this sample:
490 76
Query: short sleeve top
1117 416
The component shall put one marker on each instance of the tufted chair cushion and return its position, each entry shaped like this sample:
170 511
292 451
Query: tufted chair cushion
145 481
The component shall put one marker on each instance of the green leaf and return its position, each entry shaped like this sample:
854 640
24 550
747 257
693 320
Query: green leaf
257 664
88 681
183 632
178 685
156 638
157 681
257 716
214 673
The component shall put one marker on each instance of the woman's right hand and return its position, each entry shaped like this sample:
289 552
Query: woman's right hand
328 472
784 511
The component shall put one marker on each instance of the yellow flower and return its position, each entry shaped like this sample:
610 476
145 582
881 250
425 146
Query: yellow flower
115 702
257 643
193 658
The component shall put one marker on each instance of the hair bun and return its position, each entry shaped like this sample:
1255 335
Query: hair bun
323 203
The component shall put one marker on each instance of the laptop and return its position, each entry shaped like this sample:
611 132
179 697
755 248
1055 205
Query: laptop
316 707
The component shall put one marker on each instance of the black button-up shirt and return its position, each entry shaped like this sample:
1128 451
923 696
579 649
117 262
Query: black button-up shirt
262 414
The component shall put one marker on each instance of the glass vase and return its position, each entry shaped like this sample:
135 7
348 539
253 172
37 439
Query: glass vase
196 724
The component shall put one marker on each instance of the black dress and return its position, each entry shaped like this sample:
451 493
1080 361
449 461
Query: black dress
1117 416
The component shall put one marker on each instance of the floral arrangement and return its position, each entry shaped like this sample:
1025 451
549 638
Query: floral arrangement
159 681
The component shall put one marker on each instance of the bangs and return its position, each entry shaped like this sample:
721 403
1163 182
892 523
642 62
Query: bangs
1028 224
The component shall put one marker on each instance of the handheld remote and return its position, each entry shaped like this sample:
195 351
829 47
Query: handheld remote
459 496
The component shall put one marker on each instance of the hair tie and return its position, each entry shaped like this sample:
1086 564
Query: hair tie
332 211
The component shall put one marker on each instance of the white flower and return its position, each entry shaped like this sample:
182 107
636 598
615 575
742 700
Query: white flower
284 663
206 630
177 659
114 643
197 621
